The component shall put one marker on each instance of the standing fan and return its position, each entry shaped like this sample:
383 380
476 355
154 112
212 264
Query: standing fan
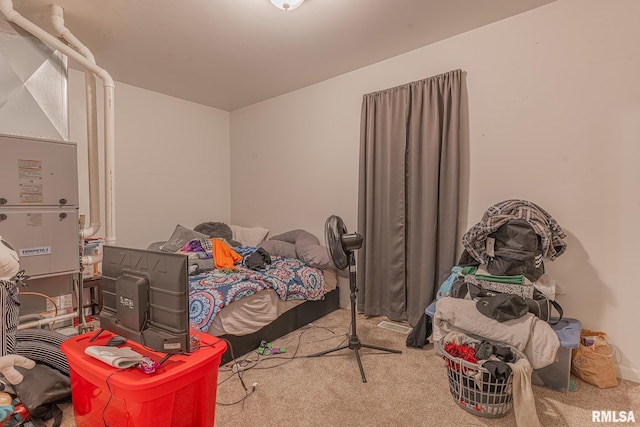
341 246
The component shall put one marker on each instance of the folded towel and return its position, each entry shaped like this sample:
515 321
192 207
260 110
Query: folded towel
118 357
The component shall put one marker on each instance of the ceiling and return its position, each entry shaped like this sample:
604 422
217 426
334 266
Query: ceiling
229 54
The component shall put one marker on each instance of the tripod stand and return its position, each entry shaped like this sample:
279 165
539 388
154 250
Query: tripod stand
354 342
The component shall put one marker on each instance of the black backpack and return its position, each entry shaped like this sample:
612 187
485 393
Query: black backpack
513 249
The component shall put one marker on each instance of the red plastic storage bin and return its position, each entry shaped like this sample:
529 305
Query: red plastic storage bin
182 392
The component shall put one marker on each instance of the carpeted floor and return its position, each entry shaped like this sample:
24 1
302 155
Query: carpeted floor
408 389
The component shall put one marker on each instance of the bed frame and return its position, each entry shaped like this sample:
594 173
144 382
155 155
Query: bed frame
288 321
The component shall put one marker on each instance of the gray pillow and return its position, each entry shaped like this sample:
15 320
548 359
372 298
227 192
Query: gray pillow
279 248
180 237
294 236
315 256
156 246
308 248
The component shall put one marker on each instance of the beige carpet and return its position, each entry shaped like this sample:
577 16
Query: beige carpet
408 389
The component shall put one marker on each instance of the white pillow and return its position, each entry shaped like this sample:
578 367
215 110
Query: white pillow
248 236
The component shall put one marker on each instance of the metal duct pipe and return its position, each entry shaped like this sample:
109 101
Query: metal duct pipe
6 6
48 320
91 259
57 19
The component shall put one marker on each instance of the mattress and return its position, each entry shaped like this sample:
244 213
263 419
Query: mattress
255 311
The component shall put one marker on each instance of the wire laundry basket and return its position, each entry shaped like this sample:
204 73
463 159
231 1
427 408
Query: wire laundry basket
473 387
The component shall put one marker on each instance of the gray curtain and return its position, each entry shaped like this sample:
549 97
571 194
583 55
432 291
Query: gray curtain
408 195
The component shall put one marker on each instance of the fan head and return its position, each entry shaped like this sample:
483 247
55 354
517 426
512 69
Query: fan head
339 242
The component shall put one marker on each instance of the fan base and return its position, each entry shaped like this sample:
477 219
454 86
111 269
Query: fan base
355 344
341 246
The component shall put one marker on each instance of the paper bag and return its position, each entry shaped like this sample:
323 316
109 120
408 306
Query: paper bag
591 361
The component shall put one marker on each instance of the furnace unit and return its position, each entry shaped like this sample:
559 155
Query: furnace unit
38 173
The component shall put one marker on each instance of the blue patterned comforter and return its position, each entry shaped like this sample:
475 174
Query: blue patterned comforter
290 278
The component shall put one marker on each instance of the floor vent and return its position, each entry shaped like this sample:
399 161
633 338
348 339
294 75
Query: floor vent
395 327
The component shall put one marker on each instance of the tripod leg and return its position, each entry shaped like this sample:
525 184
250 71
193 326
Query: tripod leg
375 347
322 353
364 379
354 341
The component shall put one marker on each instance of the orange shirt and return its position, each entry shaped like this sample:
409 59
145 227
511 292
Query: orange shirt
223 255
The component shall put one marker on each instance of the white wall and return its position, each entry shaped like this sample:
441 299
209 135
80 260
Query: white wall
553 117
172 162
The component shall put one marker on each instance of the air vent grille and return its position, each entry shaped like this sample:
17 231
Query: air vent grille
395 327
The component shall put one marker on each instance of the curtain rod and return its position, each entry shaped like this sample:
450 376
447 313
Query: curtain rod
437 76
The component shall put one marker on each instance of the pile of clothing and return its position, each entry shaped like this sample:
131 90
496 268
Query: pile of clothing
494 295
494 377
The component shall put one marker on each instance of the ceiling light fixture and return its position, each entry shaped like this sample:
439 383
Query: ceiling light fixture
287 4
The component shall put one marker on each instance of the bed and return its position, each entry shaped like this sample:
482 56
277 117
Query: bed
266 290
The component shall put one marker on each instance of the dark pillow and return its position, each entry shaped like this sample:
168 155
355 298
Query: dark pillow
180 237
279 248
41 385
214 229
218 230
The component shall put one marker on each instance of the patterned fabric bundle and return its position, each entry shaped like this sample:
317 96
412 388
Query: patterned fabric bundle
551 235
9 306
